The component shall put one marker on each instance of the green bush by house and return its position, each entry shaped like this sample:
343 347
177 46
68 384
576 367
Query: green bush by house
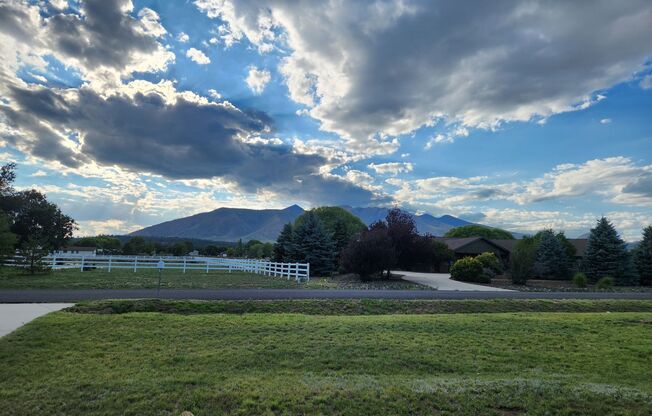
469 269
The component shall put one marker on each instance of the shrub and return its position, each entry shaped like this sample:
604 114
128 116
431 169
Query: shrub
469 269
580 280
491 262
606 282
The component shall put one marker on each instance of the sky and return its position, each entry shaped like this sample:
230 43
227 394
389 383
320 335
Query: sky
517 114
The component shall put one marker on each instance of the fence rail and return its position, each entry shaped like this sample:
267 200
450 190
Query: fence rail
297 271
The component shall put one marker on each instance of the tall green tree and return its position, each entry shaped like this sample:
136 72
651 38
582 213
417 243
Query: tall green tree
312 243
340 223
7 238
606 254
552 260
522 259
283 245
643 257
474 230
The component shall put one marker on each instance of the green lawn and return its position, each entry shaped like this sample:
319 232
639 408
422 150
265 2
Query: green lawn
12 278
149 363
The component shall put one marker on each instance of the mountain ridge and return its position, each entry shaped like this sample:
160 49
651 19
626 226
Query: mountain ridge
233 224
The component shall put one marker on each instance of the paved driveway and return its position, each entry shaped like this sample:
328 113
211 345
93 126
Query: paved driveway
13 316
442 281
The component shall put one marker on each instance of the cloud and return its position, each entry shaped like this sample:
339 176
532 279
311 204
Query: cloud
198 56
146 127
257 79
368 70
214 94
392 168
605 121
102 40
646 82
183 37
616 180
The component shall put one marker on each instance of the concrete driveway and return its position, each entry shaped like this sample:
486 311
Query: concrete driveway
443 281
13 316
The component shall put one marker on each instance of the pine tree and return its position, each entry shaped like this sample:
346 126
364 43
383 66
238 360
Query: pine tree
283 244
643 257
606 254
551 257
311 243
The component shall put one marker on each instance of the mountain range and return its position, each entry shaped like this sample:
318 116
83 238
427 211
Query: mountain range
233 224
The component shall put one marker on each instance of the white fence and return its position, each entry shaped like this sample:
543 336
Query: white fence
297 271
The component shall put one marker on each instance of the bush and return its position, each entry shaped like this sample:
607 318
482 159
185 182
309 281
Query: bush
606 282
491 262
469 269
580 280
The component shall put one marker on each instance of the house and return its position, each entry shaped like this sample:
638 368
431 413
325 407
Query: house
472 246
74 251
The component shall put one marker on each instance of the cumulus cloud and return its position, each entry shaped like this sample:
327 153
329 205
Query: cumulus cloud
367 70
183 37
257 79
198 56
147 127
392 168
617 180
103 41
605 121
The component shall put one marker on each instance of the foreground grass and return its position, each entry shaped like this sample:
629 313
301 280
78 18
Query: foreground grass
254 364
360 306
12 278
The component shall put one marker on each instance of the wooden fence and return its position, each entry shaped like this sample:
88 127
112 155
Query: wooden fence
297 271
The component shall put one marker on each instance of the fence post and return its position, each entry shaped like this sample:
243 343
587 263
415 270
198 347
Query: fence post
81 268
184 265
54 261
110 257
135 264
307 271
206 266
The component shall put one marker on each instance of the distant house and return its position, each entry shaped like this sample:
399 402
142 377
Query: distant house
76 251
472 246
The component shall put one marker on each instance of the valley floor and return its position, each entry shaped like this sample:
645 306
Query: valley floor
158 357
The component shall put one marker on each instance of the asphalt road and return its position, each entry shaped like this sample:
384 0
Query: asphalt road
66 295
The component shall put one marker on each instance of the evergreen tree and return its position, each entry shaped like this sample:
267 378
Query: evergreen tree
311 243
551 257
522 259
606 254
283 244
643 257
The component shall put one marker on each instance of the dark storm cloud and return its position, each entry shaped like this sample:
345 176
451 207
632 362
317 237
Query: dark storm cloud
103 35
180 140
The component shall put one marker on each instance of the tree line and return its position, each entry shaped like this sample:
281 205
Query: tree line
549 255
332 240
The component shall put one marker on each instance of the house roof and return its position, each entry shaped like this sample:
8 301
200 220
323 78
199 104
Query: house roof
457 243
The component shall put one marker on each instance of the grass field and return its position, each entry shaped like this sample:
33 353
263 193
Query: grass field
12 278
151 363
